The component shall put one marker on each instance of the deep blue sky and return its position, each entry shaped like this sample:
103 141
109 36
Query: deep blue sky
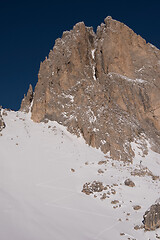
28 30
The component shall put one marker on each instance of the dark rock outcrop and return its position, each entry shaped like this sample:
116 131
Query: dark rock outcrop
103 86
2 124
129 183
27 100
152 217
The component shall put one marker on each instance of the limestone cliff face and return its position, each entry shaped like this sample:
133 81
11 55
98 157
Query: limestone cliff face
103 85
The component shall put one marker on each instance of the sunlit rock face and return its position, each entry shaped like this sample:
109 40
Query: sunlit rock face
27 100
104 86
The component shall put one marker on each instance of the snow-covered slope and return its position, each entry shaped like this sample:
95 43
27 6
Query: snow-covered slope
43 169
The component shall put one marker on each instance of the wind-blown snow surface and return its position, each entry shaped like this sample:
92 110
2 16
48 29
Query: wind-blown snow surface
41 198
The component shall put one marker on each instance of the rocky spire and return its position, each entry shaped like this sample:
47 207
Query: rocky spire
103 85
27 100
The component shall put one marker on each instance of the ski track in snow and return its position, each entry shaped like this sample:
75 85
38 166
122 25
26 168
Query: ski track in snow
53 187
105 230
79 210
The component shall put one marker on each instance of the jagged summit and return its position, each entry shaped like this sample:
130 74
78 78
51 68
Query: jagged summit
26 102
104 86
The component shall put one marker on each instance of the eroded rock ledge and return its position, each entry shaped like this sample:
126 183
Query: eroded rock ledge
103 85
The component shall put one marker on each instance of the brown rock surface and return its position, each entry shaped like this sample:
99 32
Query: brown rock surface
26 102
136 207
129 183
103 85
114 202
152 217
89 188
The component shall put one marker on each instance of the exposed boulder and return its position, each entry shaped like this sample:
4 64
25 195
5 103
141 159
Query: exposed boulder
129 183
114 202
103 86
104 196
152 217
136 207
27 100
137 227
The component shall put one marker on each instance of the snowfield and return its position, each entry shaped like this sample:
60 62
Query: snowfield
43 169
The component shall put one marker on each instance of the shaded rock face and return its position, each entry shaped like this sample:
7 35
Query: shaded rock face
152 217
27 100
103 86
2 124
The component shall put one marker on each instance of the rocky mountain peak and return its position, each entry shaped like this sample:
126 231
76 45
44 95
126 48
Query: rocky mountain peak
103 86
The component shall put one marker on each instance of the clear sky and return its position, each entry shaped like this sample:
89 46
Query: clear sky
28 30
